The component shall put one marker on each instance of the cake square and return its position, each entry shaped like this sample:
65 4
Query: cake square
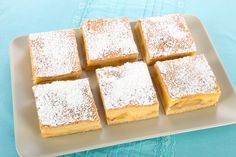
164 37
127 93
65 107
54 56
108 42
186 84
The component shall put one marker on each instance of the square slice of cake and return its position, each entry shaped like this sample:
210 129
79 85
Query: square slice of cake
127 93
186 84
54 56
108 42
65 107
164 37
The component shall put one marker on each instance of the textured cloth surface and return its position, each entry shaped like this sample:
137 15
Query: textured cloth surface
24 17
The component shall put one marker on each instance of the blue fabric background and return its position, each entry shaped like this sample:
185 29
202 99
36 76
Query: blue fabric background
23 17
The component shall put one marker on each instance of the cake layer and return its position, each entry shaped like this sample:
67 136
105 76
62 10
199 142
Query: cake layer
131 113
82 126
192 103
70 76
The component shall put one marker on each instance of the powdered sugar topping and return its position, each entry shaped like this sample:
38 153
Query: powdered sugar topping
188 76
107 38
129 84
64 102
167 35
54 53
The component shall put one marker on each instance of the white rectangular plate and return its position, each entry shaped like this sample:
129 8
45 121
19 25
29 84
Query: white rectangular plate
27 134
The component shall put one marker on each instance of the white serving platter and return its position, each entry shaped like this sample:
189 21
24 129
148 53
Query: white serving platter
29 142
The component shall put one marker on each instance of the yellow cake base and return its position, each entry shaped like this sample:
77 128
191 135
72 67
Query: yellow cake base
82 126
131 113
70 76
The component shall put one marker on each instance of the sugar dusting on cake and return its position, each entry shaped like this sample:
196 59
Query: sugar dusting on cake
129 84
64 102
54 53
167 35
107 38
188 76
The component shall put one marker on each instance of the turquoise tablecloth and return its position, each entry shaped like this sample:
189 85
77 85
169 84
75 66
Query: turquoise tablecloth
22 17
